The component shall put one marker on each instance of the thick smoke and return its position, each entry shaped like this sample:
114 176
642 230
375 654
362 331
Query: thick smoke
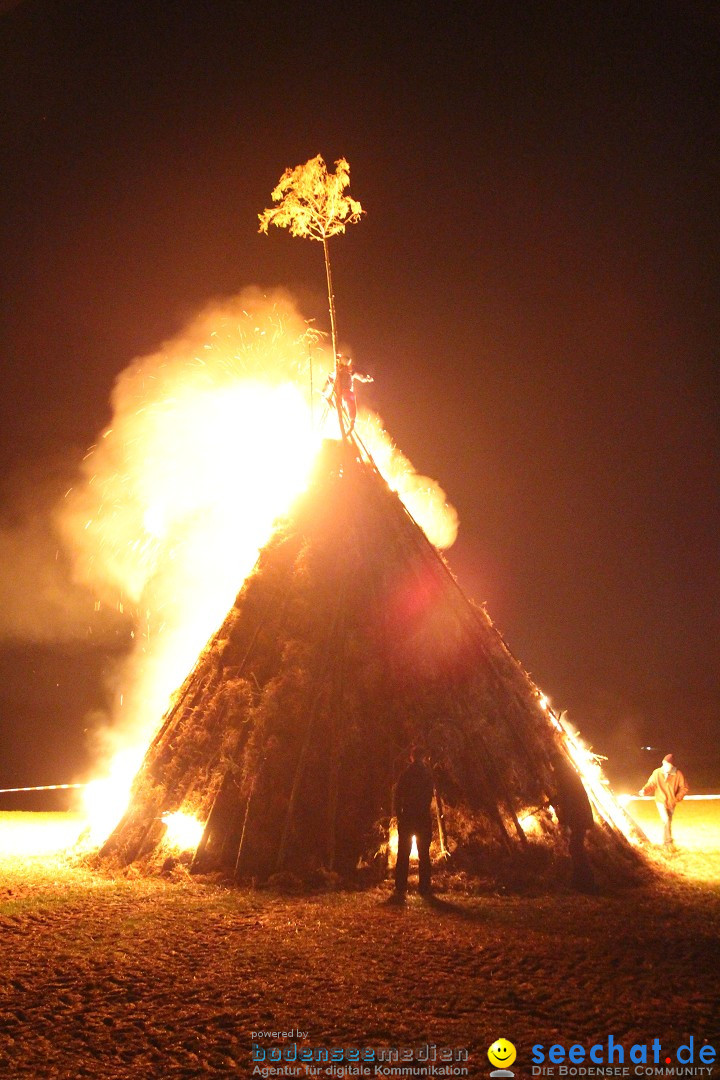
39 601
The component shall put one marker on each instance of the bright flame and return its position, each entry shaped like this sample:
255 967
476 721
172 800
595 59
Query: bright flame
184 831
530 825
393 845
106 799
607 805
597 786
210 442
32 834
423 497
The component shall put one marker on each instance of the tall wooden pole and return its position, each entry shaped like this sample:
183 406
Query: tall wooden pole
333 330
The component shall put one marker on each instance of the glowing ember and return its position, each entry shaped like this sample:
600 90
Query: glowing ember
184 832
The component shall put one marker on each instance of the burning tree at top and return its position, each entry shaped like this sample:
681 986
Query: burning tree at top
313 203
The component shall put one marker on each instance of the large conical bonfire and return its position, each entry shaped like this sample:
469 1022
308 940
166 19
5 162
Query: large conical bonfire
350 641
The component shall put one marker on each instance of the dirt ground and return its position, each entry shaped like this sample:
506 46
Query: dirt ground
144 978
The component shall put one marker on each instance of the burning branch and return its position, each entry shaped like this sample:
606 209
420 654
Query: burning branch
312 203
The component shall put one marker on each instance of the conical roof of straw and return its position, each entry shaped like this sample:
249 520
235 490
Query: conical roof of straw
350 641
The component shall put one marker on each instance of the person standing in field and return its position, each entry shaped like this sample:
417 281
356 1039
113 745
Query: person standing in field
575 816
412 797
668 786
341 382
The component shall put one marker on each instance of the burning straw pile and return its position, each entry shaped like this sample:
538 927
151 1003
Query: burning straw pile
350 641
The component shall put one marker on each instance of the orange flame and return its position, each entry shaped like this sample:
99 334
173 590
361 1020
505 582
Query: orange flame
606 804
184 831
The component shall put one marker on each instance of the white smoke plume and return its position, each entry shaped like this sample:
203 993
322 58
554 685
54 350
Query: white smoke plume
39 602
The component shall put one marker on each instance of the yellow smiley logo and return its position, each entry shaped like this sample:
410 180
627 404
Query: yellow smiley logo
502 1053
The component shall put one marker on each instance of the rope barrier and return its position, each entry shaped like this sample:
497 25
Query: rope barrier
651 798
43 787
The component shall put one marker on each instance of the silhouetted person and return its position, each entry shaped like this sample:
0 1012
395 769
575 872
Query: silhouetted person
342 382
668 786
413 796
575 815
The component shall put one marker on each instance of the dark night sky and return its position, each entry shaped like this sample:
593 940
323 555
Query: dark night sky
534 288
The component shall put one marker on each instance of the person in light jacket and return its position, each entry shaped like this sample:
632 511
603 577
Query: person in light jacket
668 786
